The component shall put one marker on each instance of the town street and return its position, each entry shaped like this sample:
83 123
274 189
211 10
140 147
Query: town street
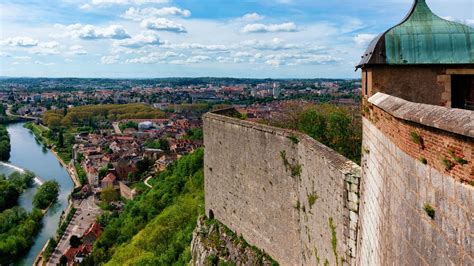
85 216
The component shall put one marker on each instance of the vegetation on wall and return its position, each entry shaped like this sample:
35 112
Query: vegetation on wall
429 210
339 128
156 228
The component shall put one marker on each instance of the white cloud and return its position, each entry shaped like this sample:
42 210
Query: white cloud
152 58
263 28
77 50
197 46
140 40
46 48
20 42
121 2
252 17
469 22
363 40
162 24
22 57
191 60
90 32
109 60
44 64
138 14
274 44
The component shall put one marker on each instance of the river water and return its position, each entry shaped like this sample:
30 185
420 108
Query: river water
28 153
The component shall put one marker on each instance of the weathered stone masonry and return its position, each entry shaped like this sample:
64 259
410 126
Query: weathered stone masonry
397 186
283 191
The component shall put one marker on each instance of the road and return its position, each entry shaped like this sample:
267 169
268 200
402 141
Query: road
146 182
86 214
116 128
9 113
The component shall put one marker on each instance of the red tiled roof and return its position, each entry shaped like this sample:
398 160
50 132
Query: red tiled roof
94 229
110 178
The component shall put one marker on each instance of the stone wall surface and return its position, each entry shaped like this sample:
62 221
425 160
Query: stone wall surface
420 84
441 137
284 192
397 191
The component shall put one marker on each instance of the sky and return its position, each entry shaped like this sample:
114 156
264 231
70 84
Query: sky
197 38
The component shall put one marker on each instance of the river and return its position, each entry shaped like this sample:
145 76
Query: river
28 153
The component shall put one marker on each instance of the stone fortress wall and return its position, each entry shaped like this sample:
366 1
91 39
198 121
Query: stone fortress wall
299 201
282 191
406 150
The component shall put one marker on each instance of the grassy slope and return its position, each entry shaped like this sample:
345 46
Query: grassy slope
156 228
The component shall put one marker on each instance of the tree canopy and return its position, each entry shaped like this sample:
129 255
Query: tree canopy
47 194
4 144
91 115
339 128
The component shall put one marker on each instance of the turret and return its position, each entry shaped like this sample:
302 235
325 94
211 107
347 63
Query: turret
423 59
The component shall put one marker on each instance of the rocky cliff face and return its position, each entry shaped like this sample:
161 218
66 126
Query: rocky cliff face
214 244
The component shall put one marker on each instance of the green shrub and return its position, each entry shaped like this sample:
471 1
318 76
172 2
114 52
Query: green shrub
429 210
416 138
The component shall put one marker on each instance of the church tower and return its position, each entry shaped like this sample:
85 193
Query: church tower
417 186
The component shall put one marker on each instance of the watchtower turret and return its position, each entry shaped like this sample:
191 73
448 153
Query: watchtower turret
423 59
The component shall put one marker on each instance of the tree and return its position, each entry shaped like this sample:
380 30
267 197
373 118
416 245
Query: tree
47 194
75 241
60 139
103 171
109 195
63 260
143 165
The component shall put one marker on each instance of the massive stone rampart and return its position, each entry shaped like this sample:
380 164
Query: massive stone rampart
417 198
282 191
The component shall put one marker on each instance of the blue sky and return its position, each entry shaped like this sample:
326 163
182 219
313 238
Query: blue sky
192 38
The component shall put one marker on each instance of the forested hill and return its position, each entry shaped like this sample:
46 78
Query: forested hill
156 228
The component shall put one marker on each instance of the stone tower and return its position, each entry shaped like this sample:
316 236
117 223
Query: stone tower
417 196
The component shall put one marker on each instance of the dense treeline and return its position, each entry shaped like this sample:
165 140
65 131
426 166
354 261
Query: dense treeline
93 115
4 144
339 128
17 227
46 195
156 228
17 233
12 187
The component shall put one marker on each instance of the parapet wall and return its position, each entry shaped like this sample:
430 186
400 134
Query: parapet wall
416 209
282 191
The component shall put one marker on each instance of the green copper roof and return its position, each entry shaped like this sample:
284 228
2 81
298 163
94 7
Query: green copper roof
422 38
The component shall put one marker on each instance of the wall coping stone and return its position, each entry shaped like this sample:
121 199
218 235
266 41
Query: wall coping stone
344 165
453 120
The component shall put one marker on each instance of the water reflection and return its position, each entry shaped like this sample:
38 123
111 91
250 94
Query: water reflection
28 153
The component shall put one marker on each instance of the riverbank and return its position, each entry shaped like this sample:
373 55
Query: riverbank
37 131
28 153
70 169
